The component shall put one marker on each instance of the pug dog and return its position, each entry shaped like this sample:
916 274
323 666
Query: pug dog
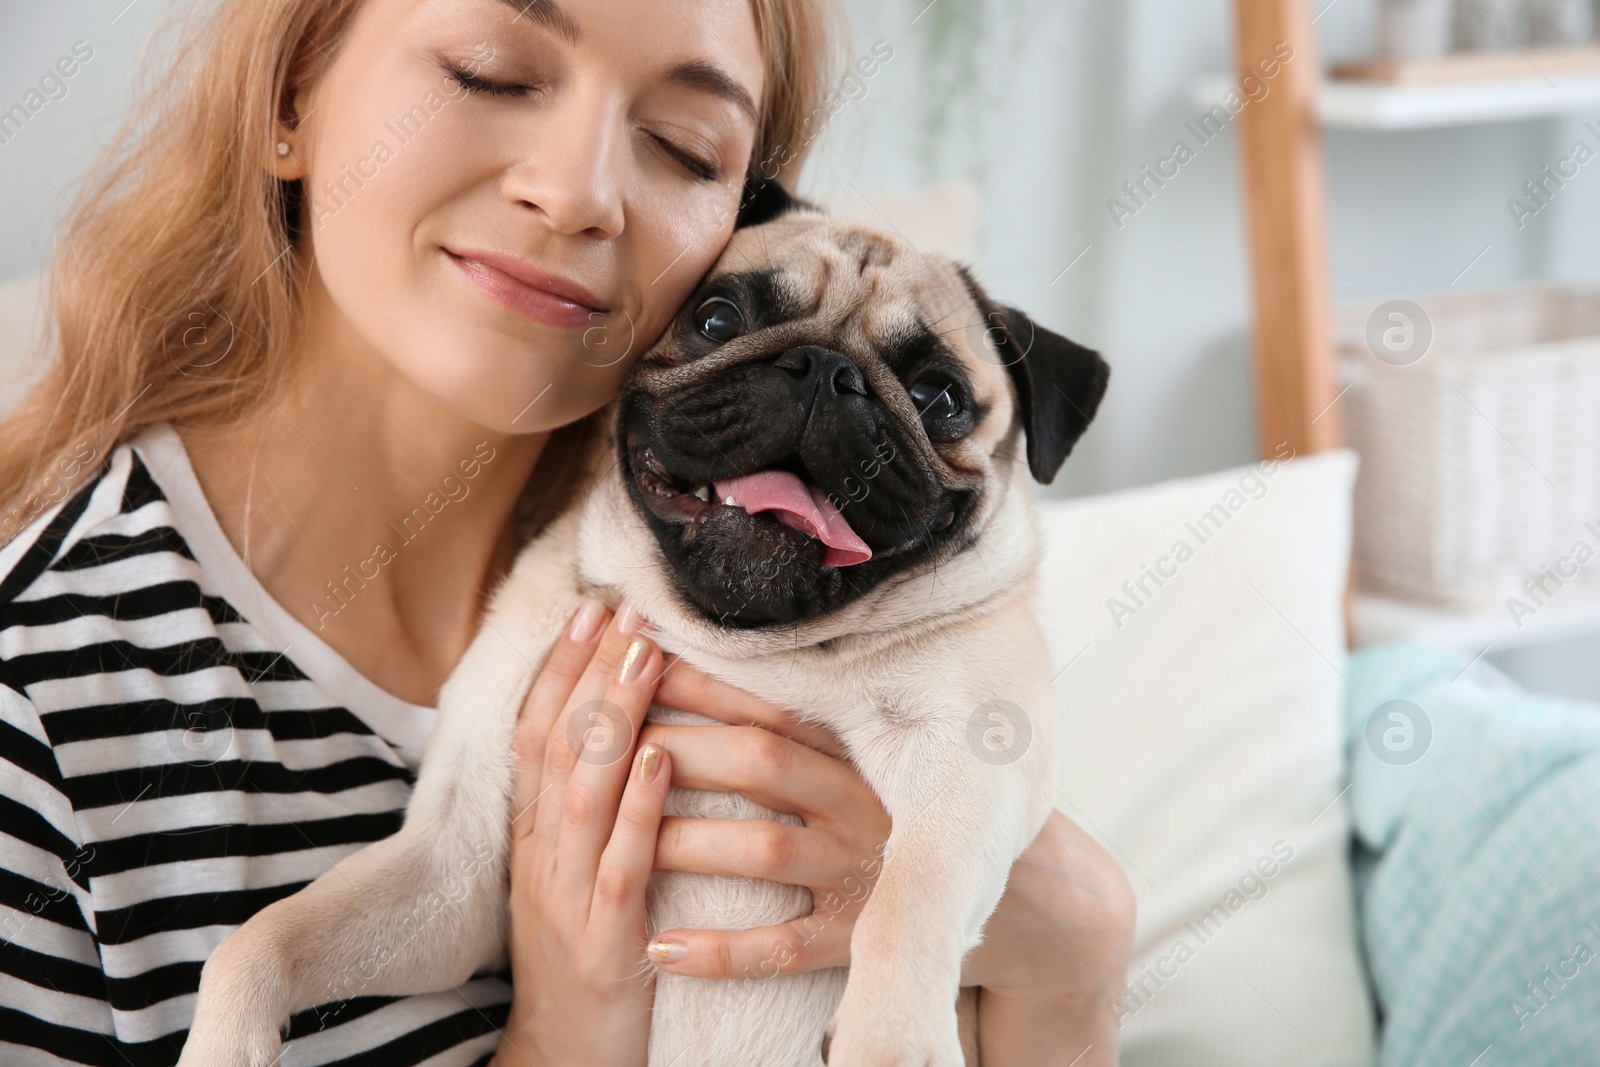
815 487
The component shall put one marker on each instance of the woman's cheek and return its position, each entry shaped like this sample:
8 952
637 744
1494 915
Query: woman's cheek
391 193
371 179
687 232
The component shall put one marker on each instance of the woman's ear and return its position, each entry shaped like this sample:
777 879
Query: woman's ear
283 159
286 157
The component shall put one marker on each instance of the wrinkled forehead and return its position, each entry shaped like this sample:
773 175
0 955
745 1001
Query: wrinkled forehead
871 291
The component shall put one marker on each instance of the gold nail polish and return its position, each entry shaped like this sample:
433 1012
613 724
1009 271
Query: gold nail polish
667 951
632 661
649 762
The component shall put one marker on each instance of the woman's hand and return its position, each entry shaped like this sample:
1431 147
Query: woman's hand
1055 953
583 840
771 758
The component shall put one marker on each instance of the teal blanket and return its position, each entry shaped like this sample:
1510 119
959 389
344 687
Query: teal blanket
1477 860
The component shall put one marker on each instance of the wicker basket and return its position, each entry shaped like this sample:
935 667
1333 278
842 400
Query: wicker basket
1480 461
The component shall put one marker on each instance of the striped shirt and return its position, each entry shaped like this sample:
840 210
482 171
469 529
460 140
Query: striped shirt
177 752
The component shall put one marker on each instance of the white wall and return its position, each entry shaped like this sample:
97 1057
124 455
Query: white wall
54 146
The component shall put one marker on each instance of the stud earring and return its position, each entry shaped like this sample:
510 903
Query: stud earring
283 148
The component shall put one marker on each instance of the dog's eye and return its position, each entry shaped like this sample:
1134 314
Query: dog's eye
935 399
719 319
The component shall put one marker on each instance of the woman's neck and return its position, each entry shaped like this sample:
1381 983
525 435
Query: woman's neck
374 515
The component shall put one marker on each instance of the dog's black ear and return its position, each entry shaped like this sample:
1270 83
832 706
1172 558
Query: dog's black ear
1059 382
763 200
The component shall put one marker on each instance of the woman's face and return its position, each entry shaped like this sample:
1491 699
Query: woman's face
507 200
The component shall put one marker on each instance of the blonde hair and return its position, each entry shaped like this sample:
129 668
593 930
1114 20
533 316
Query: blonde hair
175 289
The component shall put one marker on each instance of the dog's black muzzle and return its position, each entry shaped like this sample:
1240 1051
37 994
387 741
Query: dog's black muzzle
810 412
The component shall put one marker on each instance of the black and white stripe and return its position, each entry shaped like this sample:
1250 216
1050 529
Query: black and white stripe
166 770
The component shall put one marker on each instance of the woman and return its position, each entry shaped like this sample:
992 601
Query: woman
332 319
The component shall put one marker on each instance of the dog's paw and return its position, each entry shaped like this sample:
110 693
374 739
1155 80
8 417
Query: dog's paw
213 1045
895 1032
241 1002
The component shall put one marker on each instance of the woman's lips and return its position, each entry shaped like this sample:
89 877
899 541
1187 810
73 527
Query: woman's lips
553 302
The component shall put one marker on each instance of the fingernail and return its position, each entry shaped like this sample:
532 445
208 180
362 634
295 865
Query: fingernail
629 621
649 762
666 950
633 660
586 621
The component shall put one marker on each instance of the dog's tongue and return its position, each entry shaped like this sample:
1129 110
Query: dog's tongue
800 506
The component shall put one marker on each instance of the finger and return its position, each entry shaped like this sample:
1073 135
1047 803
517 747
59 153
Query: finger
625 864
774 771
755 848
688 688
819 940
594 788
587 726
546 699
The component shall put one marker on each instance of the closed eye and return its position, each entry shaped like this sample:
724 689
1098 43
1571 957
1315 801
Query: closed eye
700 168
477 83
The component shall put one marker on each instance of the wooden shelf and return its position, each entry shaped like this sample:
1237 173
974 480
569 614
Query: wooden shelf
1359 105
1571 613
1472 66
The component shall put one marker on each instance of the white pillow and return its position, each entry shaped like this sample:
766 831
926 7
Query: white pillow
1201 742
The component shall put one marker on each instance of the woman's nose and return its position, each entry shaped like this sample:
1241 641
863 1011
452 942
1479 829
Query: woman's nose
571 173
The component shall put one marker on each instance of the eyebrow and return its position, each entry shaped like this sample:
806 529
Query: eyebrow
698 74
694 74
545 13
